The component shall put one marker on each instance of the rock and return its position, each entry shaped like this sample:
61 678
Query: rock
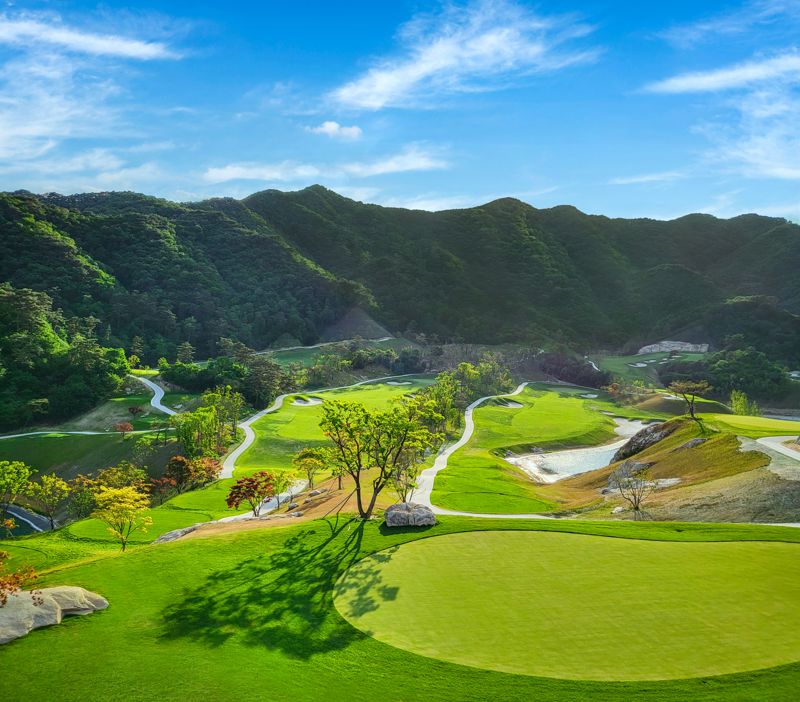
177 533
643 439
691 444
25 611
409 514
307 500
617 510
292 505
314 493
667 346
296 514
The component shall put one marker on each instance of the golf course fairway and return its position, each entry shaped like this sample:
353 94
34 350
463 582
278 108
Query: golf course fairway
581 607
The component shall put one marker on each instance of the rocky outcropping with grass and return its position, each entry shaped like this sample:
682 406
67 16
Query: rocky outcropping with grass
644 439
27 610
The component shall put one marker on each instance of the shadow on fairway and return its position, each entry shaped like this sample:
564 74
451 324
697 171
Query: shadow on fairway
283 600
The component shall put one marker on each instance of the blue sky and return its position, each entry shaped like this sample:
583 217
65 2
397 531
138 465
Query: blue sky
619 108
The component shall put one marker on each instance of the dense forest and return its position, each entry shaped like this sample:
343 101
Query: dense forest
283 267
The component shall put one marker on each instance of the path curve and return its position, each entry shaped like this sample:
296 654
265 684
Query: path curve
422 495
158 395
35 521
776 444
229 464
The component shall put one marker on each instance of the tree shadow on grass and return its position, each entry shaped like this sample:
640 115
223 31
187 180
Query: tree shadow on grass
284 600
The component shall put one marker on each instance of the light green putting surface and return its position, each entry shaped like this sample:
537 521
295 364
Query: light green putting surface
582 607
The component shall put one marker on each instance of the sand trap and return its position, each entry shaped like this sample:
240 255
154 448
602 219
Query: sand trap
638 365
511 404
398 382
307 401
553 466
590 395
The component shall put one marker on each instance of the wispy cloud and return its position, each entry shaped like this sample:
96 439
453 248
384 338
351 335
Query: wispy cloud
27 31
783 67
477 47
336 131
757 15
662 177
412 158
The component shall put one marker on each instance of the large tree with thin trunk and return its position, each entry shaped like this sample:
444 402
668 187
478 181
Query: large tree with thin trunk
373 445
690 390
14 477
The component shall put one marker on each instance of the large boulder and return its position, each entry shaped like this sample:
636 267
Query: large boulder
409 514
644 439
26 610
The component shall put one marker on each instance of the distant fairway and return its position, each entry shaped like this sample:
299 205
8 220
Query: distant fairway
753 427
582 607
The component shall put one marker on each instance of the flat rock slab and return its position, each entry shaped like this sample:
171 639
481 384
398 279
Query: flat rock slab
26 610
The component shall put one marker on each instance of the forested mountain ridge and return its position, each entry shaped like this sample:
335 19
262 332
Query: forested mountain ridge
282 264
507 270
168 272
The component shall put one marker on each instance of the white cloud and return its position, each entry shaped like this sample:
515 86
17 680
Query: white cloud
465 49
760 14
25 31
412 158
336 131
783 67
662 177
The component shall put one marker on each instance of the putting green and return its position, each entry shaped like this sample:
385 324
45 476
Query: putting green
582 607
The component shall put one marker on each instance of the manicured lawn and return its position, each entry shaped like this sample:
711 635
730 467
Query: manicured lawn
252 614
67 454
478 479
620 366
569 606
281 434
753 427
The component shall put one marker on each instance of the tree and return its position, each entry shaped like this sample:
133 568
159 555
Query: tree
689 390
741 404
14 478
635 484
82 491
123 428
253 489
379 441
162 488
137 346
12 582
123 510
197 431
133 360
135 411
49 493
310 462
185 352
125 474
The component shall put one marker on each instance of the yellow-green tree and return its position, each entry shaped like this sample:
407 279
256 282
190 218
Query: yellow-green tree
49 494
123 510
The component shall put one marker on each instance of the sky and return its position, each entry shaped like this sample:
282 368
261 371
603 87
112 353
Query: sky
626 109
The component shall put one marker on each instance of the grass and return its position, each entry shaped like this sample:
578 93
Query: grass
752 427
279 435
478 479
619 366
255 609
741 615
307 356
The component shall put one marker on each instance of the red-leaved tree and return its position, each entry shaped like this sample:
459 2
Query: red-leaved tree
253 490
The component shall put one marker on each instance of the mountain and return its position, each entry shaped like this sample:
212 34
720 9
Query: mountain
290 264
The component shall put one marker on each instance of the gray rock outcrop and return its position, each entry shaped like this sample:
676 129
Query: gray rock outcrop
26 610
643 439
409 514
691 444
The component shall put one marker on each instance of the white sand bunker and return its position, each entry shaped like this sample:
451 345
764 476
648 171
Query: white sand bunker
511 404
398 382
550 467
638 365
589 395
307 401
